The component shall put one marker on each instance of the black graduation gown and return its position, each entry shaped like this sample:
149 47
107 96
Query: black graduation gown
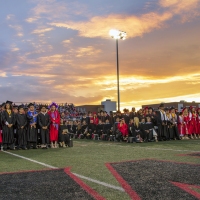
8 133
74 128
43 121
70 128
63 137
127 119
162 129
99 129
136 130
91 128
83 129
21 132
149 127
130 129
143 133
107 129
32 133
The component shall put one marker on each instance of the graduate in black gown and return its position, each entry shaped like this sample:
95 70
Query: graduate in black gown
64 138
32 131
91 129
151 134
8 120
44 122
108 128
2 108
99 128
137 130
161 123
21 122
144 129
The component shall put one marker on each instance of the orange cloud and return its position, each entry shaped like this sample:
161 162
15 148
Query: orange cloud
42 30
100 26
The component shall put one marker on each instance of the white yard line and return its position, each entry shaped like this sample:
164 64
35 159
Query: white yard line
149 148
78 175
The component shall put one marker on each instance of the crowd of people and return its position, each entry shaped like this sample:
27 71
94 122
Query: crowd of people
33 125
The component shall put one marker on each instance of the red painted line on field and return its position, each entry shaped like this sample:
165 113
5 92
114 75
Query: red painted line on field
123 183
154 159
24 171
187 188
190 154
87 188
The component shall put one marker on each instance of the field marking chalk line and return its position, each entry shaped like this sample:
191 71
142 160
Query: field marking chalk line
78 175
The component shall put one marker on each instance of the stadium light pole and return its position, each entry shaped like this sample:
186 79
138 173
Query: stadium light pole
117 35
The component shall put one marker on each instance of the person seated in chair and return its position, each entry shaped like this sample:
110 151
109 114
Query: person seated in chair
137 130
107 128
84 130
123 128
99 128
91 129
63 134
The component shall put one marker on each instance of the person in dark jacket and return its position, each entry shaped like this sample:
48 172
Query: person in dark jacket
44 122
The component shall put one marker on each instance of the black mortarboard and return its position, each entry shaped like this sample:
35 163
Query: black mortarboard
172 108
161 105
42 106
9 102
3 104
166 109
15 106
21 106
30 104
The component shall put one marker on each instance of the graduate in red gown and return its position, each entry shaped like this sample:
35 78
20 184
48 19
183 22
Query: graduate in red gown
54 126
193 122
95 119
181 125
123 128
186 120
198 122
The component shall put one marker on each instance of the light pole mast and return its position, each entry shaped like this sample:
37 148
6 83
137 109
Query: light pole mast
115 34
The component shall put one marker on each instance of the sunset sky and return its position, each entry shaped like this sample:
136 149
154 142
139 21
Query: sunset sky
60 50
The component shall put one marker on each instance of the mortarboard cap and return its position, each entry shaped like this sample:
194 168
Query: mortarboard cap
30 104
9 102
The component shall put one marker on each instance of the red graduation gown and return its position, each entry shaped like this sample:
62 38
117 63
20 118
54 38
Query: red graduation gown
54 126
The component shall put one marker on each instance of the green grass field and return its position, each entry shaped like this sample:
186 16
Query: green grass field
88 158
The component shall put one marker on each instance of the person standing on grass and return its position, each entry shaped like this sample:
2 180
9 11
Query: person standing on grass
1 140
198 122
44 122
186 121
8 120
32 129
54 125
21 120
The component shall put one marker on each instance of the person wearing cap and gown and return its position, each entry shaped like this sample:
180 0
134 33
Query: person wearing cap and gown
1 139
21 121
174 122
15 110
193 122
32 133
181 125
161 123
186 121
198 122
169 125
44 122
54 125
8 120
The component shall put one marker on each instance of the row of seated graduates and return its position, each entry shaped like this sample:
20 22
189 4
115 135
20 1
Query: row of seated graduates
83 130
